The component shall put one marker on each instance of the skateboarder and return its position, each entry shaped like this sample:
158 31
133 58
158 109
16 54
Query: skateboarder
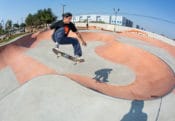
61 31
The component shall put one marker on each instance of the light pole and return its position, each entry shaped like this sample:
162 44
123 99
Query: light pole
87 24
63 7
115 15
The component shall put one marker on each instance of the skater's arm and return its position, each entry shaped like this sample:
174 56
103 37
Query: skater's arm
74 29
81 38
45 29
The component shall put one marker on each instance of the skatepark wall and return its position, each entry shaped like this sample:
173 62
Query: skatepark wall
110 27
159 37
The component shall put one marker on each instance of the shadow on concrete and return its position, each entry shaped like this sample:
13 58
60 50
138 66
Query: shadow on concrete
102 75
25 41
135 113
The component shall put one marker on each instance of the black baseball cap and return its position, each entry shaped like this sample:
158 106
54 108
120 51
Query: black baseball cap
67 14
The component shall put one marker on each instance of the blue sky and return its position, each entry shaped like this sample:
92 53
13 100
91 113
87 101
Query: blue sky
18 9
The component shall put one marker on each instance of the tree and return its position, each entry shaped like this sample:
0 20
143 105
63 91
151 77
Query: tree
29 20
137 26
45 16
49 16
8 25
42 17
1 29
22 25
16 25
36 21
1 26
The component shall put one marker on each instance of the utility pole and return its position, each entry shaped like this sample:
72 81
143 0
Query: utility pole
115 15
63 7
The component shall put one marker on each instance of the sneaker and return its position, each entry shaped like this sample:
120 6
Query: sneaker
57 49
56 45
79 58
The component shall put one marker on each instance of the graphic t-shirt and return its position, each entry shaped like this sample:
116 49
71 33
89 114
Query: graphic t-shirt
67 27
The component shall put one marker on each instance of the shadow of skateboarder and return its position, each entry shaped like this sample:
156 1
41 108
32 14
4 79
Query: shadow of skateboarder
136 113
102 75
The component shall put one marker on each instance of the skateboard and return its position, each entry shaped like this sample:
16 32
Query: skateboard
67 56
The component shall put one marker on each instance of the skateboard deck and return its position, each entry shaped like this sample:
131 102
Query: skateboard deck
67 56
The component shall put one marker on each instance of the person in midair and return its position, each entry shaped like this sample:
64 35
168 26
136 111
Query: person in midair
60 36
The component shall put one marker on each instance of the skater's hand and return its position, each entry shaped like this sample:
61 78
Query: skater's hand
84 43
35 34
81 38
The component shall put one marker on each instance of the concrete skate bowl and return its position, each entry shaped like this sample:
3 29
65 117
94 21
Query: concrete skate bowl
154 78
24 67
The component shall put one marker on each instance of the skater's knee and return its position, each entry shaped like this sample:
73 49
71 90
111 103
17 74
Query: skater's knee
75 41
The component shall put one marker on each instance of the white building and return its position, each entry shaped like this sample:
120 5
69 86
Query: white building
92 18
119 20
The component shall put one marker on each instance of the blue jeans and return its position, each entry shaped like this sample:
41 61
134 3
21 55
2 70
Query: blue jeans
59 37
